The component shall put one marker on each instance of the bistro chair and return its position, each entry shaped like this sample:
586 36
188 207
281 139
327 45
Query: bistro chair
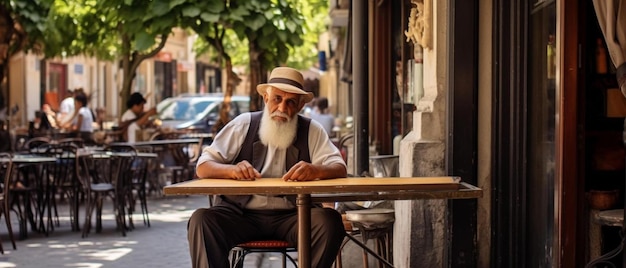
26 189
139 188
106 178
32 145
370 224
136 178
78 142
239 252
6 165
171 153
63 181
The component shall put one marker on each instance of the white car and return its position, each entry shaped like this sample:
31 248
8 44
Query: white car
197 112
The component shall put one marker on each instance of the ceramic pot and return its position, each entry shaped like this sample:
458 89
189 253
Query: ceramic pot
603 200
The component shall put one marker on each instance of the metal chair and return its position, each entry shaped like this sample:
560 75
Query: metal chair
103 181
62 180
239 252
6 166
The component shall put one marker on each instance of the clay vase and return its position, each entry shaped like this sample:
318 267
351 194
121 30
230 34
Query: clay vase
602 200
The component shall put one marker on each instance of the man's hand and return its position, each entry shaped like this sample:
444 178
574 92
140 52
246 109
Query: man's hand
152 111
244 171
302 171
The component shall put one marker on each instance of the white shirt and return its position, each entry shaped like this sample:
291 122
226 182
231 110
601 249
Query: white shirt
87 123
132 128
326 120
67 105
227 145
66 109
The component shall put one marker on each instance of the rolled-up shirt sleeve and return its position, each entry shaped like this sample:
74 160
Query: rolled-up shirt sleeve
321 148
227 143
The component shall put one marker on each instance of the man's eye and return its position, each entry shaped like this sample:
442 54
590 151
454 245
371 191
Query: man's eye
291 103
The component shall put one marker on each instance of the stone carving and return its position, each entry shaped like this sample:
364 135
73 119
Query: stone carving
419 27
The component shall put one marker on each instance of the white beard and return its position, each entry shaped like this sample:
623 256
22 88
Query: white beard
277 133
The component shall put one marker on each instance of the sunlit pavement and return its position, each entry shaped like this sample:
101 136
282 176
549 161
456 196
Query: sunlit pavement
163 244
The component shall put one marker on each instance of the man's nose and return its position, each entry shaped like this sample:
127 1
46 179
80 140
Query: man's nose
282 107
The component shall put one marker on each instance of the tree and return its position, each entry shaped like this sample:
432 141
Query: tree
22 27
130 31
269 27
275 34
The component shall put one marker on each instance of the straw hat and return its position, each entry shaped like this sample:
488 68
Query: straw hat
288 80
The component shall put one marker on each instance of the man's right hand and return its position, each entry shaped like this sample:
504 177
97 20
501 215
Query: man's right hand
244 171
152 111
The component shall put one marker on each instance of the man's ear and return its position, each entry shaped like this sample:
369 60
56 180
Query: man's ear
302 103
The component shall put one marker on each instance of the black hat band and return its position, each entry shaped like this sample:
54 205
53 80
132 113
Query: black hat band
285 81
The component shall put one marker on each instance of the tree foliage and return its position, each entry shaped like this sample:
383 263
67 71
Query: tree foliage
126 30
23 25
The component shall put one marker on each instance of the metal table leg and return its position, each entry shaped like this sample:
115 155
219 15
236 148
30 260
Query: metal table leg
303 202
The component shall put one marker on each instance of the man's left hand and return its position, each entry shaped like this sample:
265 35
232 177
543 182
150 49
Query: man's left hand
302 171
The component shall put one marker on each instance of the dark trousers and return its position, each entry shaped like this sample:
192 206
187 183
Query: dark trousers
212 232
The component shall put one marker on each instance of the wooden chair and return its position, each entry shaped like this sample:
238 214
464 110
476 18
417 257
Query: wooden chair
239 252
6 166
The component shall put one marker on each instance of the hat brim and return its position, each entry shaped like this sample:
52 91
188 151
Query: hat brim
262 90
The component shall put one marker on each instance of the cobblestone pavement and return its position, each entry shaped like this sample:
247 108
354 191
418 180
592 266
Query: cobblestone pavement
163 244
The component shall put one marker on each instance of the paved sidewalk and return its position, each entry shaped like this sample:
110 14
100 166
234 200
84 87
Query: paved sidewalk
164 244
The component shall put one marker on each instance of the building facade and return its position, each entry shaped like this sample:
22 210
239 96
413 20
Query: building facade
515 97
176 69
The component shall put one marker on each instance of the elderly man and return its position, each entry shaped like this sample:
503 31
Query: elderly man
276 142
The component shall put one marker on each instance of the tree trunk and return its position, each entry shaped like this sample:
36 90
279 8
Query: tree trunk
7 29
232 80
257 76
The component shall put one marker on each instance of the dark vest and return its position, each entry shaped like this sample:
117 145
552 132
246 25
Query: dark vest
254 152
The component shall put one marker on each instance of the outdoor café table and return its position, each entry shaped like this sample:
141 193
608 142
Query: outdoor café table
24 162
168 150
175 146
332 190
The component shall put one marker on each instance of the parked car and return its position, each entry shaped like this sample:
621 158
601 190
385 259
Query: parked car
197 112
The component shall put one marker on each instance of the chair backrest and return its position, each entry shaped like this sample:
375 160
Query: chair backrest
123 170
64 170
33 144
344 147
6 166
120 148
74 141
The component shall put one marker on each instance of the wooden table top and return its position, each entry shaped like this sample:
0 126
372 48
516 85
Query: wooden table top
342 189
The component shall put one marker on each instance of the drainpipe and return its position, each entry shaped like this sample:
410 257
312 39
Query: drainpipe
360 87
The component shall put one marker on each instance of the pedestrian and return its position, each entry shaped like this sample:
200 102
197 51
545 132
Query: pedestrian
275 142
321 115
